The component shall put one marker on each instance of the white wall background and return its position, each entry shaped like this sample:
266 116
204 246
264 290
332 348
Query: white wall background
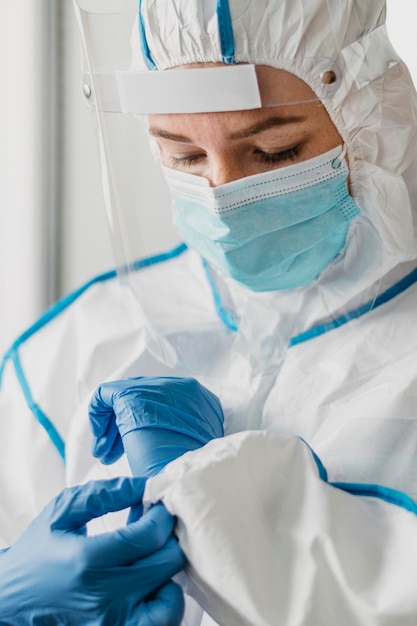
45 253
28 172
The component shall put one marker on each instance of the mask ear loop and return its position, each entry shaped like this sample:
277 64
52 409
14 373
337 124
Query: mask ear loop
337 162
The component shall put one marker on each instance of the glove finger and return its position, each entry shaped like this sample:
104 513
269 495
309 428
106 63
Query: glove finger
136 581
165 607
109 447
133 541
107 444
76 506
100 410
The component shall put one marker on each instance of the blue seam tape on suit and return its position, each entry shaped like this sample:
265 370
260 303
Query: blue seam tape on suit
13 353
391 293
143 40
391 496
226 32
43 420
376 491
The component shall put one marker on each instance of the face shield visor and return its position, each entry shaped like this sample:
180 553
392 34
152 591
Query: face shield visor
138 203
124 95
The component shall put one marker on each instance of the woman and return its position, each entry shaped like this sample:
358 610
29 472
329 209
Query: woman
300 317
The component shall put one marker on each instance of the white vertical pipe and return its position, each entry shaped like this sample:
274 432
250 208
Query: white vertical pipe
27 125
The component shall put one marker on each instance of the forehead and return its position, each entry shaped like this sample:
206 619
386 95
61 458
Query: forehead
280 86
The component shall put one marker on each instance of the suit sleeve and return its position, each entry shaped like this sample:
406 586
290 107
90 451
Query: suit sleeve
270 541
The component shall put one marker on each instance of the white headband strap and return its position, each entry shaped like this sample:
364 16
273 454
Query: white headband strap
200 90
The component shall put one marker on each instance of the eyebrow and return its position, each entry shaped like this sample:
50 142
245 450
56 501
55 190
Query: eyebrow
266 125
260 127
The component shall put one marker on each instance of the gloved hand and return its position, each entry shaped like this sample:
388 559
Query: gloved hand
154 420
56 574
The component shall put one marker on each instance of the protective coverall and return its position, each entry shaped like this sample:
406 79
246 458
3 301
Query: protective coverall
304 512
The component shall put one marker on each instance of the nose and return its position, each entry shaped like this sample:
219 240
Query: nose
224 168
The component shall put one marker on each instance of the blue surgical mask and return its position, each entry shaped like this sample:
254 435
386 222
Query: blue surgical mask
271 231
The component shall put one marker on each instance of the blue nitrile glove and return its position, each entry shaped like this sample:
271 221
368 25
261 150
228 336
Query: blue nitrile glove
154 420
56 574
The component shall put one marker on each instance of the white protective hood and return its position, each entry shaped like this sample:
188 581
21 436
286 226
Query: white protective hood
374 110
373 106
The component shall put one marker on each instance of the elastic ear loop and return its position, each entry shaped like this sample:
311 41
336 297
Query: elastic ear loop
337 162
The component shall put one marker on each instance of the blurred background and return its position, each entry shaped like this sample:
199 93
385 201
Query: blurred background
53 229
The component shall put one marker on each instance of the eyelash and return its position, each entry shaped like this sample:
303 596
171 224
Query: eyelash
270 158
184 161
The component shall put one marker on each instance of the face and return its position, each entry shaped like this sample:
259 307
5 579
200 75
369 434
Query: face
226 146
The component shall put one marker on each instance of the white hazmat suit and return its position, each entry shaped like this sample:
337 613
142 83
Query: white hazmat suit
327 371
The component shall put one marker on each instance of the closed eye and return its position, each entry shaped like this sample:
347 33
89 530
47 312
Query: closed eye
185 161
273 158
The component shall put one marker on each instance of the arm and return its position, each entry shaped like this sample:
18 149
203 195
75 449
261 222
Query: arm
281 545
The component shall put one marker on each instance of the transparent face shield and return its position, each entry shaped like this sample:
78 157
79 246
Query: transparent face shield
138 202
